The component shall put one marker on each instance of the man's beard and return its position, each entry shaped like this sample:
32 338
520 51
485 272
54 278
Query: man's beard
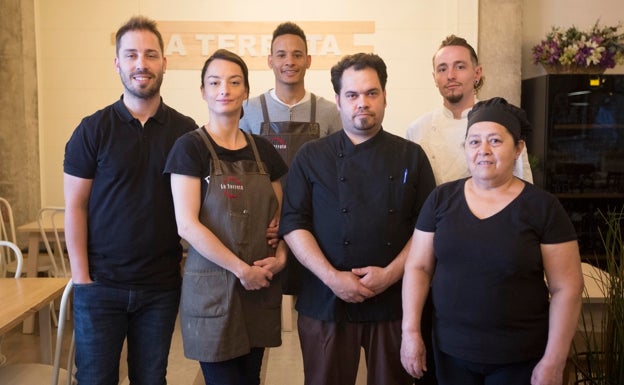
142 93
454 98
364 123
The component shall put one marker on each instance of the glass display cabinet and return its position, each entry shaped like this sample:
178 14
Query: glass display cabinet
576 147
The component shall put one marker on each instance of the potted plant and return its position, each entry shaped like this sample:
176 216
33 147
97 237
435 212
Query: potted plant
576 51
598 349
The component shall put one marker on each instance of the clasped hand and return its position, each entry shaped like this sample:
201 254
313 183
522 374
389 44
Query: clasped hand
256 278
259 275
359 284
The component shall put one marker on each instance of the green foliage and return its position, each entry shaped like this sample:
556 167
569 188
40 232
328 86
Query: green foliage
599 347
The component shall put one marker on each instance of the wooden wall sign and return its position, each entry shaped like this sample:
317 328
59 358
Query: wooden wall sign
189 43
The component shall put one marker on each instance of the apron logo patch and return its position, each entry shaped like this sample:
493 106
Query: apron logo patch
278 142
232 187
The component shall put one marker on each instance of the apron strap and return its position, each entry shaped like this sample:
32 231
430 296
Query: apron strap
313 109
215 159
252 142
265 110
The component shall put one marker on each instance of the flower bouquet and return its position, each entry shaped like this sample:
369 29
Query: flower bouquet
576 51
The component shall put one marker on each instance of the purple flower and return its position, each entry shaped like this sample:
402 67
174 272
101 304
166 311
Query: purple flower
601 46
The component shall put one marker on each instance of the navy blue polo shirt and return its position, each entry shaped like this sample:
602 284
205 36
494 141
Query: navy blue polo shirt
132 234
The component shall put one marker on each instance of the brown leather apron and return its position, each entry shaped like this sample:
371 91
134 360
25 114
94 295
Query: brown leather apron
287 138
221 320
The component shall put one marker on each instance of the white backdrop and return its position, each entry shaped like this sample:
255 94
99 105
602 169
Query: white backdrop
75 57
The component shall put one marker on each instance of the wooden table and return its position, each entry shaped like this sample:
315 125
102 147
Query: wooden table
22 297
31 229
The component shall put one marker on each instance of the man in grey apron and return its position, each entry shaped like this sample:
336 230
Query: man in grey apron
289 106
288 114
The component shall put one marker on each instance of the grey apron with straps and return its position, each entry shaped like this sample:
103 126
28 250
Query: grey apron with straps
221 320
287 138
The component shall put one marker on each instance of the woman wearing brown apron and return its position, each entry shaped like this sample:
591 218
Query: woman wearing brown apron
226 191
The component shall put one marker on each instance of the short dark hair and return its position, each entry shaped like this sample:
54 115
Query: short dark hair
457 41
358 61
139 23
230 56
289 28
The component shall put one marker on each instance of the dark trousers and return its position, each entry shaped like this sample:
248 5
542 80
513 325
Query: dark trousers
243 370
453 371
331 352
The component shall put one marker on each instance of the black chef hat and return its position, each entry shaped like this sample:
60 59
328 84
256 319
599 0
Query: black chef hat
497 110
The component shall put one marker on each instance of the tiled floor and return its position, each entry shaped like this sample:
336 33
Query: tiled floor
282 366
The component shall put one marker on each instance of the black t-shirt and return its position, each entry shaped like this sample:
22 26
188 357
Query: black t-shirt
190 156
491 301
132 234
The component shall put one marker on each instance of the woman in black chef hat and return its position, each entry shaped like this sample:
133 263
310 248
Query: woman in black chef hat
483 246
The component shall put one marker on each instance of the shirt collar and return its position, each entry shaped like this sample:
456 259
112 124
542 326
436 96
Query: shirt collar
349 146
305 98
123 112
464 115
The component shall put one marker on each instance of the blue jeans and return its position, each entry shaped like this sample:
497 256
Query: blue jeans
104 316
243 370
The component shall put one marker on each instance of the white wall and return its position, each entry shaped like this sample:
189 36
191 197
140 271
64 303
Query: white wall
75 57
541 15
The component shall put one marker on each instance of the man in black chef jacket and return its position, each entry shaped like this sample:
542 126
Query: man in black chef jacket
350 205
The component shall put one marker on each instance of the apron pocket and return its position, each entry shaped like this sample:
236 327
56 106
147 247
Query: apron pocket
239 220
205 293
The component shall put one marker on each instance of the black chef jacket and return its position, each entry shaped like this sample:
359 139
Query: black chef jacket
361 203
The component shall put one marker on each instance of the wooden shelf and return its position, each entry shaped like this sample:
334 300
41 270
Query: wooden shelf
590 195
587 126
